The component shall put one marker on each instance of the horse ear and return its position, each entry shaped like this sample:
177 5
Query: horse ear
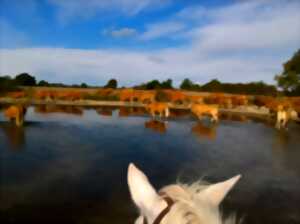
142 192
215 193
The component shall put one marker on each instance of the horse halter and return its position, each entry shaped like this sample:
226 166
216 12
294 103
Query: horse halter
164 212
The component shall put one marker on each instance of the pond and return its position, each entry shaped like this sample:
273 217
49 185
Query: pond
69 165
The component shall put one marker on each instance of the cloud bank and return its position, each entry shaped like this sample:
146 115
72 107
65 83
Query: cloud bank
246 41
69 10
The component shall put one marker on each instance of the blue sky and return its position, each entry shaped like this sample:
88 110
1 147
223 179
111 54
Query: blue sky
76 41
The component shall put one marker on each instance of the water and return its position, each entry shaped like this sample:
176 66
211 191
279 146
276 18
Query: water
70 166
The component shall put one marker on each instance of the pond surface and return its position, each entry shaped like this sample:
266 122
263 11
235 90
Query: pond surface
69 165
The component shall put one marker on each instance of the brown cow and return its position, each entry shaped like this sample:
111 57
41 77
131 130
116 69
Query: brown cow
195 99
203 109
146 96
161 108
239 100
176 96
275 104
220 99
127 95
17 94
46 95
262 101
105 92
15 113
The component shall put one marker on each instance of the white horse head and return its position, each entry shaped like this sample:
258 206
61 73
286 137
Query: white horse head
178 204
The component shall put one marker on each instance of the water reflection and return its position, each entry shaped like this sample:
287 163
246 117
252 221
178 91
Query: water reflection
157 126
179 113
281 139
132 111
15 135
233 117
141 111
74 169
105 111
46 109
124 112
284 156
208 131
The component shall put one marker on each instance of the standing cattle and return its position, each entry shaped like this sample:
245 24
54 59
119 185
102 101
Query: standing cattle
203 109
283 115
15 113
161 108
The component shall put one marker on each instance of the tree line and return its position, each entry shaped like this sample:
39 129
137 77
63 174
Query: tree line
288 81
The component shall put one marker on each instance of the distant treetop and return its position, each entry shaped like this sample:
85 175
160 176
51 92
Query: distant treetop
24 79
112 83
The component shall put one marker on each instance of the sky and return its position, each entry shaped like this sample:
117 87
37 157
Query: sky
134 41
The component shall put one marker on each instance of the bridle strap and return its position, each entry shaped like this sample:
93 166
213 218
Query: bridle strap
164 212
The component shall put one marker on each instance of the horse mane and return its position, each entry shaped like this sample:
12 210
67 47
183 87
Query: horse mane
189 209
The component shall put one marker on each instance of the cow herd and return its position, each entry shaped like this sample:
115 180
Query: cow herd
158 102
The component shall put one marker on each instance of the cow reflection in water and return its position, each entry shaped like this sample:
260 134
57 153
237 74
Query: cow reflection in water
281 139
15 136
179 113
155 125
124 112
131 111
234 117
205 131
105 111
45 109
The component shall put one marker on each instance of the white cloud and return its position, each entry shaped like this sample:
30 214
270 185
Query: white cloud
244 25
97 66
163 29
242 42
192 13
71 9
120 33
250 26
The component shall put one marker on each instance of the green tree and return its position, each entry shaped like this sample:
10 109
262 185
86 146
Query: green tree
24 79
168 84
112 83
186 84
289 79
43 83
7 84
84 85
212 86
154 84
